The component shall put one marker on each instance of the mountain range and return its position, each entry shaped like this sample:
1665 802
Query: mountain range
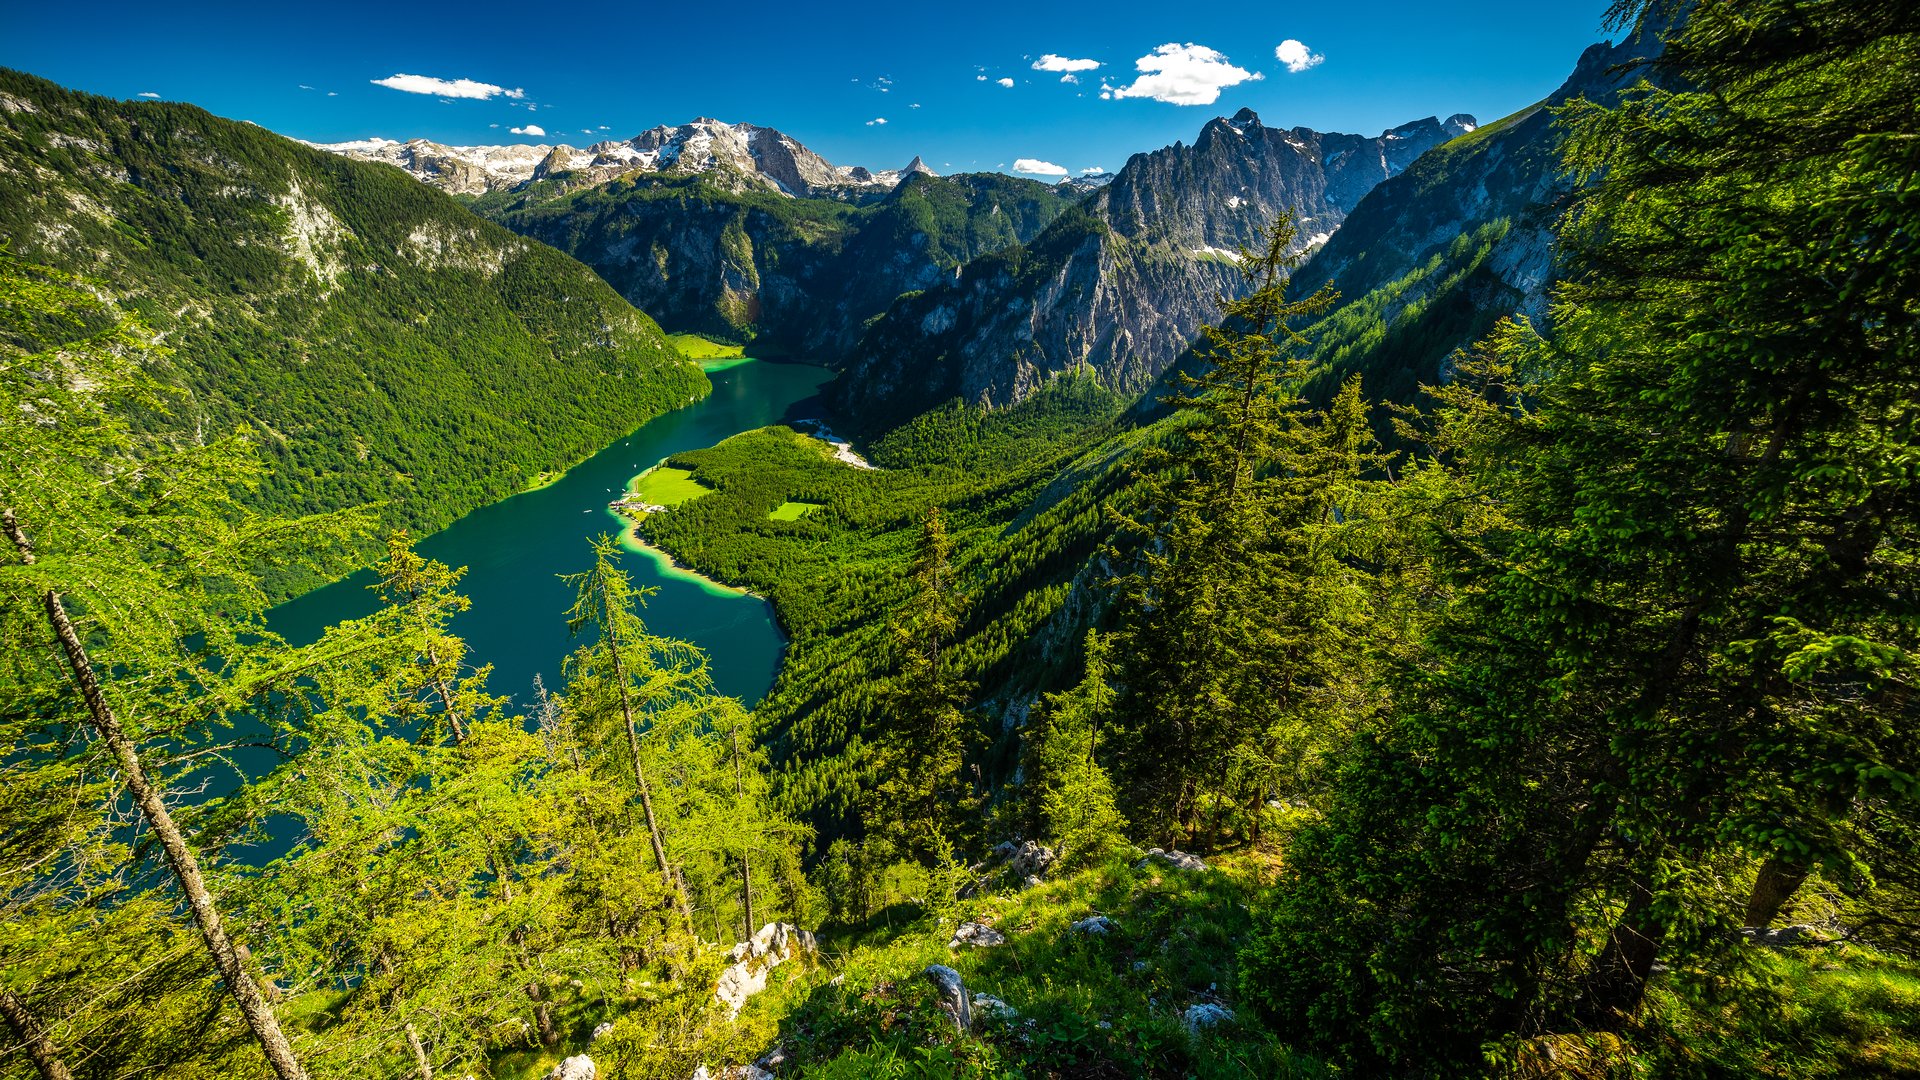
742 233
920 288
757 154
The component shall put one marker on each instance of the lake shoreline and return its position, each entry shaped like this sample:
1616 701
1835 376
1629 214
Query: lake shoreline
518 550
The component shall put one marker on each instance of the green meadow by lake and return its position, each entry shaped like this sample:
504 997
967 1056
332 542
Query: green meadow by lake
515 551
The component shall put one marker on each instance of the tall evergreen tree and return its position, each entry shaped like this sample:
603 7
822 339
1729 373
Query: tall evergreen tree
1242 622
1070 798
653 680
1683 638
917 796
132 587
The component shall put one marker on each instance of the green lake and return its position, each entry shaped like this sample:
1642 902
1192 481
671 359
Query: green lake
515 551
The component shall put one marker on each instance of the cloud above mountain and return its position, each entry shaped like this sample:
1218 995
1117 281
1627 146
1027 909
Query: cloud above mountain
1295 54
1036 167
1182 75
448 88
531 129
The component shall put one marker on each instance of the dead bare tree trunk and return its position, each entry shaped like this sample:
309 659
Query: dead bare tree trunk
173 843
27 1030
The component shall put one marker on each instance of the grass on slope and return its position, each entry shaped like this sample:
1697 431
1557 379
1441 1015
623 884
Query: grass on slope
791 510
706 350
667 486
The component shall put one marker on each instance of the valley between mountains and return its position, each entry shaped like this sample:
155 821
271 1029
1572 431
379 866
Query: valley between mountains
1435 603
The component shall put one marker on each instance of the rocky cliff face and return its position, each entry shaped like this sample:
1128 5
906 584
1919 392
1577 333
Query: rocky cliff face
1122 287
719 254
761 156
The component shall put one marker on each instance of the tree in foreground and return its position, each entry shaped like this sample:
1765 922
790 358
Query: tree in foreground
1069 796
1676 676
917 800
132 613
1241 639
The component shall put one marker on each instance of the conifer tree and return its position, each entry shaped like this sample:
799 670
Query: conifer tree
1070 799
133 581
1683 636
917 798
650 678
1242 626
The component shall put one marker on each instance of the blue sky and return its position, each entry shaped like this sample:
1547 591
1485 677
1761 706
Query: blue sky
954 82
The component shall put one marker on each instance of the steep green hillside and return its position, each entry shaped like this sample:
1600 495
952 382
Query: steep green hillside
384 344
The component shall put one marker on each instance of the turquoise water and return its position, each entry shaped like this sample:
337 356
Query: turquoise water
515 550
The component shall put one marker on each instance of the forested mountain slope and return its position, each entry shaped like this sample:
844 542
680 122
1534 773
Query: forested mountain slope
1123 286
720 251
1430 259
383 343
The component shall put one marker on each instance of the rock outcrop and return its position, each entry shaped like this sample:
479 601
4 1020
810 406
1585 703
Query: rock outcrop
751 961
976 935
1179 860
953 996
1200 1017
578 1067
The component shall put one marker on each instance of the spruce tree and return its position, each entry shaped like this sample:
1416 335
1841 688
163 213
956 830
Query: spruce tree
1069 797
1681 641
917 797
1242 623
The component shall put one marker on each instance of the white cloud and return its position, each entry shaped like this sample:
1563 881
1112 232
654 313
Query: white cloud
493 125
1069 78
1037 167
531 129
148 94
876 120
603 127
304 86
1182 75
1297 56
333 93
1093 170
1050 62
915 105
979 78
1008 83
447 88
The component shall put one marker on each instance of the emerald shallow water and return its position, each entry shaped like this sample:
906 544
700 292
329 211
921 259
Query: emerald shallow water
515 551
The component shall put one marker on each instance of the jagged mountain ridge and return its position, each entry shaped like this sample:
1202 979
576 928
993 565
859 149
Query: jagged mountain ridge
760 155
1123 287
